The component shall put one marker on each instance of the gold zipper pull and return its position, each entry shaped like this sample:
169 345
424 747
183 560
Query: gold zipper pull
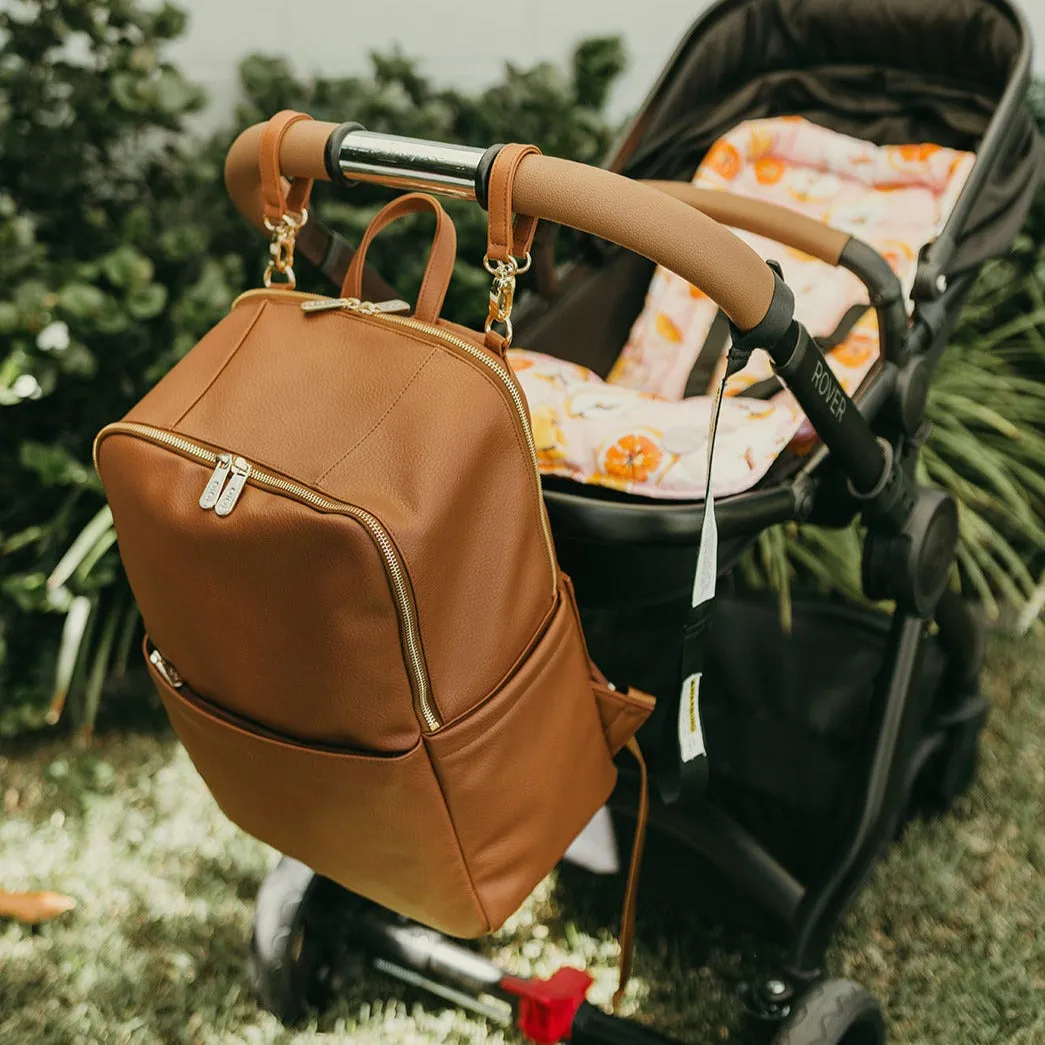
234 487
169 672
391 305
355 305
327 304
212 491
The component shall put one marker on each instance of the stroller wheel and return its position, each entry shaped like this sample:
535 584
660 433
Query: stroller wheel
295 943
834 1012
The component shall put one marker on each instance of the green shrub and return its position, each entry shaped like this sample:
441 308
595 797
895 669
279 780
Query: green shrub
119 249
106 273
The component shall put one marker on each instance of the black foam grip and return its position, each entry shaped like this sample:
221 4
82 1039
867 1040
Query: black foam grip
332 152
482 174
773 326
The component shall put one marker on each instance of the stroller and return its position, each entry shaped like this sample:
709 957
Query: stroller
821 741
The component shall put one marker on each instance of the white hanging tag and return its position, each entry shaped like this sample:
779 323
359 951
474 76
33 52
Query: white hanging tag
705 579
691 735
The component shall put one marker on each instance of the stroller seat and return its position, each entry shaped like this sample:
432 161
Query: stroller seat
643 430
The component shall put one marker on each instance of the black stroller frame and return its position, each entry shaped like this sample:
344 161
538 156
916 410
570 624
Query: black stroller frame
872 442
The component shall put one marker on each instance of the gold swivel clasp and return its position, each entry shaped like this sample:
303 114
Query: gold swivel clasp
502 292
281 249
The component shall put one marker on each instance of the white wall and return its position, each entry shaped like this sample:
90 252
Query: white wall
461 42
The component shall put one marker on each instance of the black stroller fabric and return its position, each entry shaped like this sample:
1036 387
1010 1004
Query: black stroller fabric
889 72
892 72
785 715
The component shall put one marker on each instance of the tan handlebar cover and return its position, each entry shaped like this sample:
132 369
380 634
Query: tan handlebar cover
764 219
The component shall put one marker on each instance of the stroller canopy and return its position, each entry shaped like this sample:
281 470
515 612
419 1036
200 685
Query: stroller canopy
887 71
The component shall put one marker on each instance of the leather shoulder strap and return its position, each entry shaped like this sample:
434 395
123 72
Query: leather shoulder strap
631 888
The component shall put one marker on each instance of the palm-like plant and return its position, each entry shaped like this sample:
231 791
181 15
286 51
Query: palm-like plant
986 447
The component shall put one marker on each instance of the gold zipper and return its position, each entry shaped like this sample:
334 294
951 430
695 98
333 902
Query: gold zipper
243 473
367 308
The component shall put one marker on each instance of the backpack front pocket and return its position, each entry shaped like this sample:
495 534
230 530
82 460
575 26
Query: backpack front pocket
293 610
377 824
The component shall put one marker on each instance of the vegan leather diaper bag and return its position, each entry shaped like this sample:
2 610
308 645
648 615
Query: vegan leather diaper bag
331 518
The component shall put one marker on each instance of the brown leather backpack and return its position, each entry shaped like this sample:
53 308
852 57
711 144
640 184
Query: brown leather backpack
331 518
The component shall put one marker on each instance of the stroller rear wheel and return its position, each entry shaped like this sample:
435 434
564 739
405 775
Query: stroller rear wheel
295 944
834 1012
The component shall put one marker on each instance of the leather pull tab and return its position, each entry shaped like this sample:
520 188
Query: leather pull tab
278 200
631 889
441 258
505 240
496 343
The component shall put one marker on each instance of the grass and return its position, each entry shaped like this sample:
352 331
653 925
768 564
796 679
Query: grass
948 934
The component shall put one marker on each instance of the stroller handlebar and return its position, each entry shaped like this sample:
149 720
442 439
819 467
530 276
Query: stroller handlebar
784 226
629 213
651 223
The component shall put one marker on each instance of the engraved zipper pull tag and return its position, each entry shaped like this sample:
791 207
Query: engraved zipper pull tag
327 304
354 305
234 487
212 491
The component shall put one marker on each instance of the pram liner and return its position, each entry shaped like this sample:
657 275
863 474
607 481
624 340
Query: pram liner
896 72
888 72
635 432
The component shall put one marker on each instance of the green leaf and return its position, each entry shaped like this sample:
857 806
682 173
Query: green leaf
19 540
1030 613
81 301
171 93
114 320
981 588
168 22
95 555
10 318
96 530
126 89
963 405
125 640
79 361
142 59
99 669
147 302
58 599
597 63
31 296
52 464
73 631
28 591
127 268
183 242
